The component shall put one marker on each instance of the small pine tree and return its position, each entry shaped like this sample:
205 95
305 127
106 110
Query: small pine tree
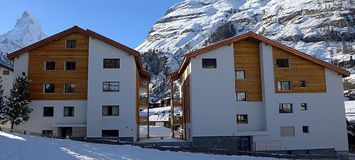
18 103
3 107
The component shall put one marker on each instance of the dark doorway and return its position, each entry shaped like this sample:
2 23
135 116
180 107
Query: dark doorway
244 143
66 132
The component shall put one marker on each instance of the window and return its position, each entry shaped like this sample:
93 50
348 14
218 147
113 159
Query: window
111 86
305 129
282 63
109 133
6 72
49 65
110 110
69 88
70 65
242 119
48 88
209 63
47 133
48 111
241 96
284 86
285 108
68 111
287 131
112 63
302 83
239 74
304 106
70 44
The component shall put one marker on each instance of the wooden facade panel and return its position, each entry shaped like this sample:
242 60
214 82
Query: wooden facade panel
300 69
56 51
247 58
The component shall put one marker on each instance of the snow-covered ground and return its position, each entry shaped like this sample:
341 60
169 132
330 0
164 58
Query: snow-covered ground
27 147
350 111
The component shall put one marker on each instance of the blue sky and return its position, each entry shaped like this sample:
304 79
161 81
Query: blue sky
126 21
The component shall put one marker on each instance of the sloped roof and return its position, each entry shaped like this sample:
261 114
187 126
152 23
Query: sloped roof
6 67
76 29
228 41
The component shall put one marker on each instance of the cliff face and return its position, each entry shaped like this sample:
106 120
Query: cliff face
322 28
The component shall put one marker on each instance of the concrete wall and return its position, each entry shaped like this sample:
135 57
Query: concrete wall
214 108
21 64
125 98
37 122
325 115
6 81
213 95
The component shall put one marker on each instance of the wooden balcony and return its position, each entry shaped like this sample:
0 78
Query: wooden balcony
144 84
143 102
177 120
177 102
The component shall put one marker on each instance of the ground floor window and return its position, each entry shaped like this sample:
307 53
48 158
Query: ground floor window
109 133
287 131
47 133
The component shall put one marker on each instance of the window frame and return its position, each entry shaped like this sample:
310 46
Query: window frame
102 133
282 109
65 84
110 108
304 108
242 119
205 66
48 115
5 72
280 86
284 127
107 66
237 97
44 88
47 131
109 85
72 46
305 129
68 61
304 83
282 67
236 75
69 115
45 65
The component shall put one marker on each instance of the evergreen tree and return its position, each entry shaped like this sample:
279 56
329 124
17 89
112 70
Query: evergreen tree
3 107
18 103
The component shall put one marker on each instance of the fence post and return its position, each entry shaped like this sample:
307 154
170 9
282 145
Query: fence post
310 156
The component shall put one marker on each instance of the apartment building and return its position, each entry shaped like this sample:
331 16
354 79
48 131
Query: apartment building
83 84
6 74
251 93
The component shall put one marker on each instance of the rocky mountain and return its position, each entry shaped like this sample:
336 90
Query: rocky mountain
26 31
322 28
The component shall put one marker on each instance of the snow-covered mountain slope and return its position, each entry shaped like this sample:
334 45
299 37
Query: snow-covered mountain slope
26 31
322 28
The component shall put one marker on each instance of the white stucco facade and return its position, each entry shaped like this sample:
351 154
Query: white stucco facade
125 98
214 107
7 81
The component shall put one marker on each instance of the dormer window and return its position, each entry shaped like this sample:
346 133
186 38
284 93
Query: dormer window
70 44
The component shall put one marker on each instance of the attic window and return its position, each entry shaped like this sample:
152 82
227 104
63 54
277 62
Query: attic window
6 72
209 63
70 44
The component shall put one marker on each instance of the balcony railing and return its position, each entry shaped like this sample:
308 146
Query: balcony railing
177 120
